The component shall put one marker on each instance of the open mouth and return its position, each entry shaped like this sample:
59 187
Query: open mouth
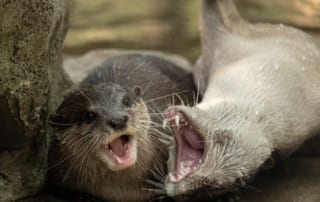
120 153
190 146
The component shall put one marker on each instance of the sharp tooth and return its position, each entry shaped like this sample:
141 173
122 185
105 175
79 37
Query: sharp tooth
119 161
200 160
172 178
126 148
164 124
177 119
166 142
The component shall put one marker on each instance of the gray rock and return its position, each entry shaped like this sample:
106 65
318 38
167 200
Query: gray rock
31 80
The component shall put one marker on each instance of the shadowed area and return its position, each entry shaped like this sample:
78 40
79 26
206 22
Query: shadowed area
11 135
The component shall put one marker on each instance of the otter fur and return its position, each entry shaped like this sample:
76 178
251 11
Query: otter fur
261 94
105 130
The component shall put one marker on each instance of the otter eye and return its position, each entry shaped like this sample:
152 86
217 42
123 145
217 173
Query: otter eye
90 117
126 101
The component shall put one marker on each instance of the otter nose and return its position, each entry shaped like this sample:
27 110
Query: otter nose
119 122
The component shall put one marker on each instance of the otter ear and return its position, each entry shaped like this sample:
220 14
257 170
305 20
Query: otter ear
137 91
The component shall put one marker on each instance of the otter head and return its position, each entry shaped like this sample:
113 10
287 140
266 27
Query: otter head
100 122
209 155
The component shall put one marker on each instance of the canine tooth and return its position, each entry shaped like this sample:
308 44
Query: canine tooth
119 161
172 177
166 142
177 119
200 160
164 124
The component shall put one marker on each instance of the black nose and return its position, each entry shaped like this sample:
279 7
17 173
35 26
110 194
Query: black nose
119 123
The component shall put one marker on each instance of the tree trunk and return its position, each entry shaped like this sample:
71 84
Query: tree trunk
31 80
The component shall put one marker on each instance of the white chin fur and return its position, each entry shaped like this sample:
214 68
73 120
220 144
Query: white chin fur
170 187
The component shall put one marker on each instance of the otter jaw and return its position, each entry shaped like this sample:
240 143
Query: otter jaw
230 155
189 148
119 150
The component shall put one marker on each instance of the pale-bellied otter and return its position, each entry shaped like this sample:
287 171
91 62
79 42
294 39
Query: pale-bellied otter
261 86
105 130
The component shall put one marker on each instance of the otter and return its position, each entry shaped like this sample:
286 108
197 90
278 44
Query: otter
105 130
261 97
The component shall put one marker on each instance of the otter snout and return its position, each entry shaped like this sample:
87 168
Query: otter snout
119 122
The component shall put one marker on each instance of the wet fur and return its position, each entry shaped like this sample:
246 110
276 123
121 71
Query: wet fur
72 159
261 86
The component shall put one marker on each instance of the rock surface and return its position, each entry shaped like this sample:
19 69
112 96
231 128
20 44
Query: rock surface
31 80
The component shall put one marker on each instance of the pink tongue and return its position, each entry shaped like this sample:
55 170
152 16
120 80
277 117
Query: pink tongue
190 154
117 147
192 138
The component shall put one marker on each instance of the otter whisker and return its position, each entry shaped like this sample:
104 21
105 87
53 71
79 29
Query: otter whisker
162 135
155 183
154 190
61 124
198 93
83 94
165 96
180 99
250 187
159 175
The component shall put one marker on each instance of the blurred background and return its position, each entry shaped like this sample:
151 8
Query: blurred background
169 25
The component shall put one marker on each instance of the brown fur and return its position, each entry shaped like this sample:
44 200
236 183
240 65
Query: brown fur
73 158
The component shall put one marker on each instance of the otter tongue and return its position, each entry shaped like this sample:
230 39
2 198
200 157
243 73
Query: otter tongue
190 152
191 147
194 140
118 147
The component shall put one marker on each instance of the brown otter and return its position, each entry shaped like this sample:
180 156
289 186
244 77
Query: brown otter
105 131
261 86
